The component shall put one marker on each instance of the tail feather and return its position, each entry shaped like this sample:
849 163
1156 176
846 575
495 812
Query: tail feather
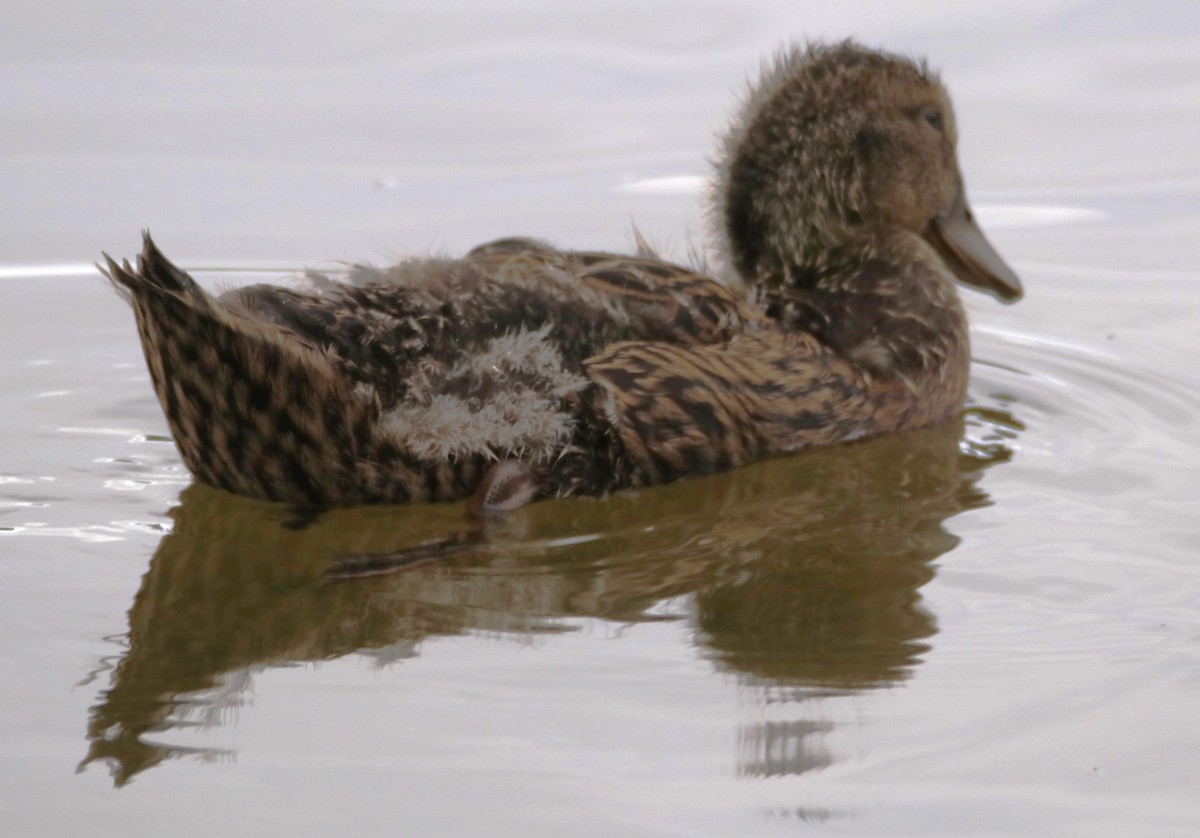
120 276
155 273
159 272
251 409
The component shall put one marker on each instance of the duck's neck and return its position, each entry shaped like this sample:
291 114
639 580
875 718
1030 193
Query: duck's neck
884 301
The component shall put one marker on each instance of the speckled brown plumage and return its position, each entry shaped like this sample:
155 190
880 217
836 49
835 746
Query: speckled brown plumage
843 227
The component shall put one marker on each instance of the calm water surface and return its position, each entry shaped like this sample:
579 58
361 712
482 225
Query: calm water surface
990 628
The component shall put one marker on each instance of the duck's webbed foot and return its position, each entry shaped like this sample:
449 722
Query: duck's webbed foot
506 486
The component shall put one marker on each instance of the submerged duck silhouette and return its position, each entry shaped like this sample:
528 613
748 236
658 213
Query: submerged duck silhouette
523 371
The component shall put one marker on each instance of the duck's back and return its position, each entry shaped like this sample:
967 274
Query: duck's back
390 329
403 384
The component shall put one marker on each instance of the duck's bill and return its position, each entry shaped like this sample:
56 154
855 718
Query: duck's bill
959 241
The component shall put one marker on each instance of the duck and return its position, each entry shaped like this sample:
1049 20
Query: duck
829 313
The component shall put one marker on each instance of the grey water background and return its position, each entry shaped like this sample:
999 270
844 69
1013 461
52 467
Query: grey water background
990 629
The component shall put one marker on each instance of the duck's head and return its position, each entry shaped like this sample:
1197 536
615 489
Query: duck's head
836 149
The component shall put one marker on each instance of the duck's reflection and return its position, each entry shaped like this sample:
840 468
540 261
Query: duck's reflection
800 573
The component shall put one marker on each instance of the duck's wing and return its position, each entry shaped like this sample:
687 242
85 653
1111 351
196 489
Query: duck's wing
383 321
650 299
687 410
376 335
676 304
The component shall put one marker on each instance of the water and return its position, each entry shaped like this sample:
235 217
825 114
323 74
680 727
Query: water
981 629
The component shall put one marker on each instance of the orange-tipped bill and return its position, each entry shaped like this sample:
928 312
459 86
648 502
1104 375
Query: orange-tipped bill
959 241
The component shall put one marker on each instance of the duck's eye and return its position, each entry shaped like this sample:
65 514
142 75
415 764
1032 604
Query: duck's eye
934 117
